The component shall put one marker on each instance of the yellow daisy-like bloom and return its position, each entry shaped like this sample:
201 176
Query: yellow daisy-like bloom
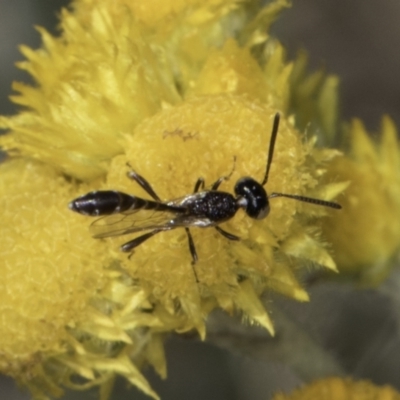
62 315
58 278
341 389
166 88
369 204
116 63
200 138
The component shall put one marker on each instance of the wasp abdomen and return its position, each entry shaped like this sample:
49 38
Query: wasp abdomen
105 202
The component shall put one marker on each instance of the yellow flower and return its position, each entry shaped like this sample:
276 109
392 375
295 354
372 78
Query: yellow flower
365 236
340 389
178 90
207 132
116 63
95 83
48 268
57 305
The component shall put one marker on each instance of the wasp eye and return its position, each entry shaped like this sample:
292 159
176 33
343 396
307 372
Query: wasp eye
256 199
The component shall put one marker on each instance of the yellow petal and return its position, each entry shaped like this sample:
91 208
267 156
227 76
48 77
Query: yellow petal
304 246
248 301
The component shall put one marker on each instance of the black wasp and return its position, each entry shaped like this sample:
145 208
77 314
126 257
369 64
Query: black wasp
123 213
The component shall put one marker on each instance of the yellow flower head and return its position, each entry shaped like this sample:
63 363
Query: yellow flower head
115 63
366 235
48 267
201 138
62 315
338 389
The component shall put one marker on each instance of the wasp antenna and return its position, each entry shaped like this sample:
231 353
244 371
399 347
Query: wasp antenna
311 200
274 132
233 168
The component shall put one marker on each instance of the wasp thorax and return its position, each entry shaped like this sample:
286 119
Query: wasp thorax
256 200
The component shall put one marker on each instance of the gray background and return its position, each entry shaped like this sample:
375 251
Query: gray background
359 41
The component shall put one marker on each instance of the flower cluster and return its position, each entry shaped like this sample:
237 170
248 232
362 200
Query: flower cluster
178 90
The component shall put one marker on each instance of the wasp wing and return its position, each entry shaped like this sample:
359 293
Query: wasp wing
132 221
173 214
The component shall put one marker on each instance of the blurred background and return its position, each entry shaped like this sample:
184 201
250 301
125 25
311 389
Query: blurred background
357 40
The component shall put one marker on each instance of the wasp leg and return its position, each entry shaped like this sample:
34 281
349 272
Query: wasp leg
199 185
132 174
228 235
216 184
193 252
129 246
192 248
